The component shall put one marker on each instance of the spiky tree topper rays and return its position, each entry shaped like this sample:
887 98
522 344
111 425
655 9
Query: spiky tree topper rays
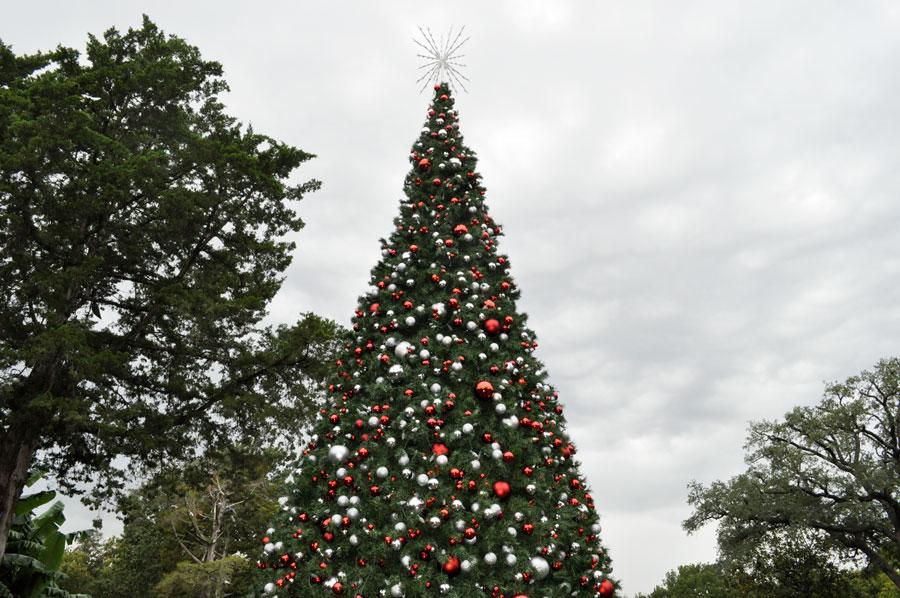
440 463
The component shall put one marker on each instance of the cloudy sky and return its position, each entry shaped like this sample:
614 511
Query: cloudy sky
700 201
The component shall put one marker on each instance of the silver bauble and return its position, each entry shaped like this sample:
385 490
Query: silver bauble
541 567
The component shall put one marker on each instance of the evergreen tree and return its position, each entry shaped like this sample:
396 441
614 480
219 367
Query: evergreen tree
141 241
440 464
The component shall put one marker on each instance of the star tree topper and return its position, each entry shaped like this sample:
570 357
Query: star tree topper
442 58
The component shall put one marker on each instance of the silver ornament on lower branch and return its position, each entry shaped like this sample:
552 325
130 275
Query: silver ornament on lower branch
541 567
338 453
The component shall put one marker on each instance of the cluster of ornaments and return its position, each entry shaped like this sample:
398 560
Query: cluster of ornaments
439 465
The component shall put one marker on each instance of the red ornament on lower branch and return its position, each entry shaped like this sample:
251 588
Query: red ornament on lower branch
607 588
484 389
492 326
502 489
451 567
439 448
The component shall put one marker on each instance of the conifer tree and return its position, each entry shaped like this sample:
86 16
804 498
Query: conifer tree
439 463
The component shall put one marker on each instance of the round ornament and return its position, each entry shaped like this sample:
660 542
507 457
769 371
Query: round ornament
502 489
492 326
484 389
541 567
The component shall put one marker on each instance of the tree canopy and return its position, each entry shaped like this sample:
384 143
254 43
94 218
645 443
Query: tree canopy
143 233
832 468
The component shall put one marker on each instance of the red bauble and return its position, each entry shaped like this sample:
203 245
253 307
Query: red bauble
460 229
424 164
484 389
451 567
502 489
440 449
337 588
607 588
492 326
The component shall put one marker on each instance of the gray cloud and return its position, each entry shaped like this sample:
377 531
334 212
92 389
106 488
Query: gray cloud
700 201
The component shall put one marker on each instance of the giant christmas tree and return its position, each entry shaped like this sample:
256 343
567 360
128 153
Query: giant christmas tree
440 463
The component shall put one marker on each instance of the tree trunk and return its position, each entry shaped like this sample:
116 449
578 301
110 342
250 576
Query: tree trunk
17 449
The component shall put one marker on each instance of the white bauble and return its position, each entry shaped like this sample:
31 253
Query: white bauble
401 349
490 559
541 567
338 453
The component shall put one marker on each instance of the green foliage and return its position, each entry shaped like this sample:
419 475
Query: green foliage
870 583
140 557
832 470
170 520
30 567
142 231
791 563
215 505
85 566
214 579
695 581
786 574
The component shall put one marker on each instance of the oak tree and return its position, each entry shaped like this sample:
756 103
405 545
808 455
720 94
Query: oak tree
832 469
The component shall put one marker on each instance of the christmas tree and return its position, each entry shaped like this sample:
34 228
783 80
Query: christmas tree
440 463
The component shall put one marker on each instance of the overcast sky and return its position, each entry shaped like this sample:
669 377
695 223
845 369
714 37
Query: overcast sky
700 202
